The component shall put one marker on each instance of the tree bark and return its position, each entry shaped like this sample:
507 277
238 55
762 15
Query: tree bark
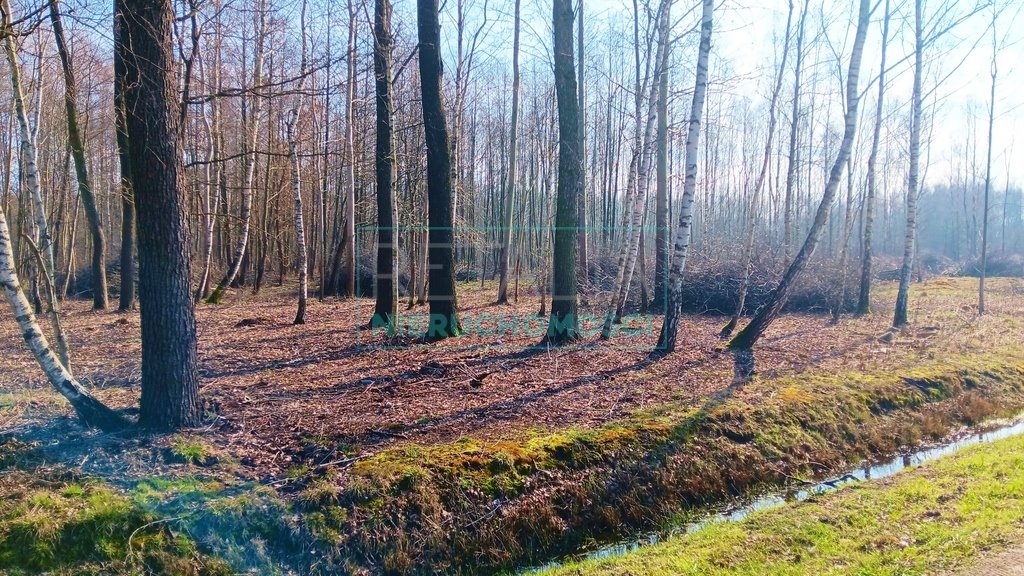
444 317
170 379
563 324
681 250
385 312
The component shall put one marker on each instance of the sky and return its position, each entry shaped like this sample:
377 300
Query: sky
748 32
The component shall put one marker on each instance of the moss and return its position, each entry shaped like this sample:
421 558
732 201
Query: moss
88 528
192 450
937 518
492 504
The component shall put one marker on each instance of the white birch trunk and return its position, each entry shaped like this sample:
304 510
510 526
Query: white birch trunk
681 245
27 150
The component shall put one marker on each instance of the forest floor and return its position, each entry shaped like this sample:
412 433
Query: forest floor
338 416
275 387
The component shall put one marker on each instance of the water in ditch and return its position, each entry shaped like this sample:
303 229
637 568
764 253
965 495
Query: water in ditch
867 471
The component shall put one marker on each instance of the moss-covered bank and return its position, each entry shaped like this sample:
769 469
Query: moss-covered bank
483 506
936 519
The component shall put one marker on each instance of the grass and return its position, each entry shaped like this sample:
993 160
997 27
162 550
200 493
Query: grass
491 504
83 527
941 516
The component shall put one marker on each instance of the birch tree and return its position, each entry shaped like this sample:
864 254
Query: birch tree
746 339
252 112
681 244
864 297
747 256
291 129
29 163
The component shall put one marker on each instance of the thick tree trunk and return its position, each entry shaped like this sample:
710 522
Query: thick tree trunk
563 324
753 331
77 147
510 183
864 298
385 312
444 317
170 379
681 250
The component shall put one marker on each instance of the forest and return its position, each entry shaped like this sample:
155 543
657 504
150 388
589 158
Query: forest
511 287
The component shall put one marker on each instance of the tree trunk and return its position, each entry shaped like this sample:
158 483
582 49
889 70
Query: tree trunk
30 168
563 324
350 171
581 217
238 259
90 410
510 183
77 146
291 127
748 239
681 251
910 238
794 131
444 317
864 298
753 331
385 312
640 169
661 213
170 379
988 172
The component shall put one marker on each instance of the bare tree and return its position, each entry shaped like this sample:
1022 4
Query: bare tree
681 245
756 328
510 175
386 308
747 257
77 146
170 377
563 323
864 300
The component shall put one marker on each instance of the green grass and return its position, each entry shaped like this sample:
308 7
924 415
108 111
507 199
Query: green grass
941 516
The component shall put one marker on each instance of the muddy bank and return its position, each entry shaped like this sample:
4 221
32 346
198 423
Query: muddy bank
486 506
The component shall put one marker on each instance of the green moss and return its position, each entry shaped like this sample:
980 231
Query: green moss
936 518
88 528
522 497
